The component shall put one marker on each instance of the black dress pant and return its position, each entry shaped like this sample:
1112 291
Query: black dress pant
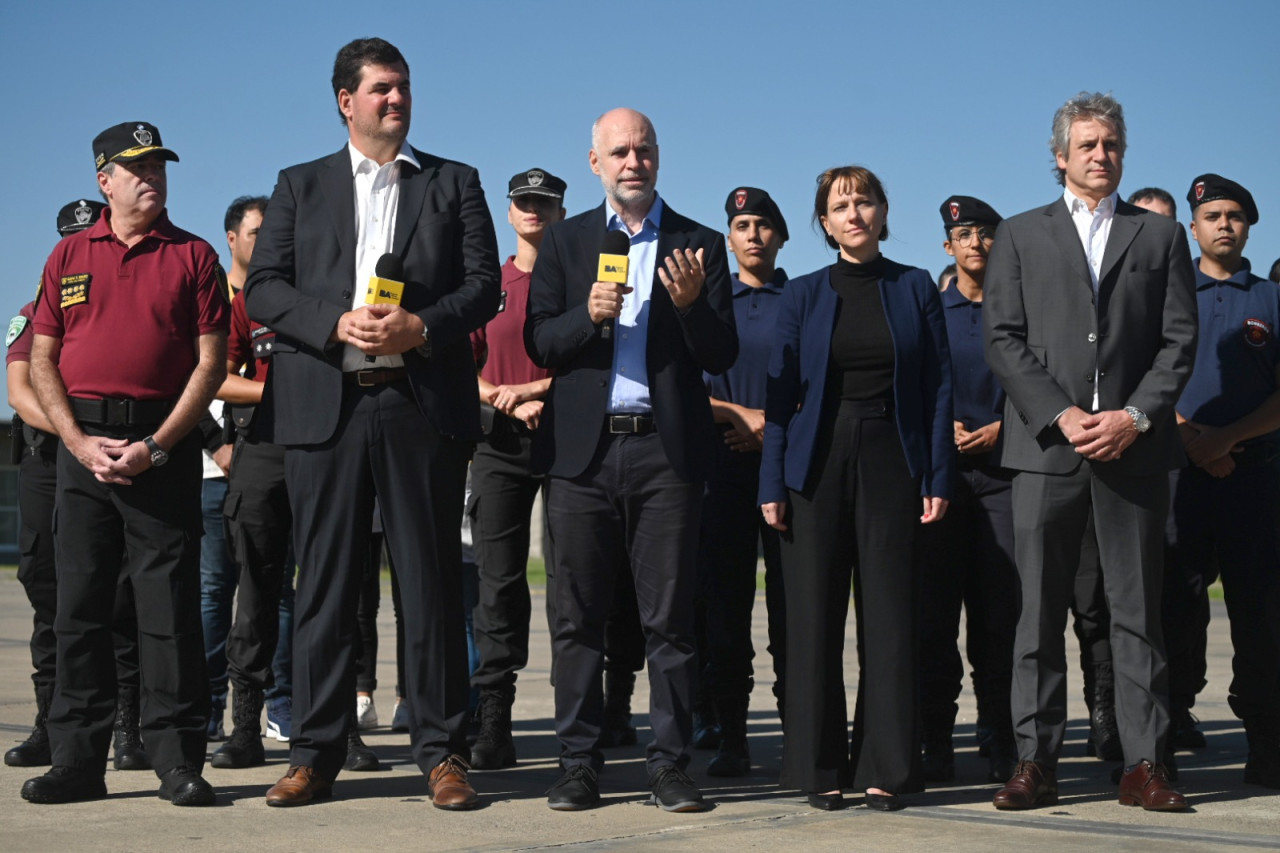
1050 514
627 507
503 490
1228 527
383 445
968 557
149 531
859 520
733 535
259 523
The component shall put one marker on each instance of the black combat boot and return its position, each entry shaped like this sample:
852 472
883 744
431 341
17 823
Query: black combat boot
34 751
494 748
130 754
617 729
733 757
1263 766
244 747
360 758
1104 731
938 758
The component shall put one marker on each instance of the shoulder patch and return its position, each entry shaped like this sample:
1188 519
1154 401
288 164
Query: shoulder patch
16 325
224 287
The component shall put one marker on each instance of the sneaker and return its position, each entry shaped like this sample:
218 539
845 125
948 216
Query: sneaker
674 791
400 717
366 713
280 718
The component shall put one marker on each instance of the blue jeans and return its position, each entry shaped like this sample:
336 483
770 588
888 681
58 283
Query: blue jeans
218 575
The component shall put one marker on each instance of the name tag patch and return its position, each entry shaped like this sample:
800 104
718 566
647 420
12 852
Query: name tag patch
75 289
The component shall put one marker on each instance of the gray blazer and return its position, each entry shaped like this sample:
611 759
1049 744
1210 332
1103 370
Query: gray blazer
1047 336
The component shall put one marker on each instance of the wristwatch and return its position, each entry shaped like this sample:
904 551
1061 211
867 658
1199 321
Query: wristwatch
424 349
159 455
1141 422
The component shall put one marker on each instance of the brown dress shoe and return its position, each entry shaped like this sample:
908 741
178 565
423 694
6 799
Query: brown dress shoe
449 787
1147 785
1030 786
299 786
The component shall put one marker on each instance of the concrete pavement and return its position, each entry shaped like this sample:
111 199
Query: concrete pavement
389 810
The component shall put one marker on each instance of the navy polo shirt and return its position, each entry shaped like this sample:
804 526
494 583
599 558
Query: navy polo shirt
979 399
756 310
1237 353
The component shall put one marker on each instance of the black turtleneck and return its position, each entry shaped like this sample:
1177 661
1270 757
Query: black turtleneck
861 345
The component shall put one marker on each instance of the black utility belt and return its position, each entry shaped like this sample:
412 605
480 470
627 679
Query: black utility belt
113 411
629 424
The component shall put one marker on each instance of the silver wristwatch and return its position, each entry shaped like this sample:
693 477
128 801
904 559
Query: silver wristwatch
1141 422
159 455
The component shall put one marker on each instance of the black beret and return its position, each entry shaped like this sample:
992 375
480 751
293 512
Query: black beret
757 202
967 210
78 215
1211 187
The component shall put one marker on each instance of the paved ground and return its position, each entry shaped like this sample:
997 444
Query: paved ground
388 810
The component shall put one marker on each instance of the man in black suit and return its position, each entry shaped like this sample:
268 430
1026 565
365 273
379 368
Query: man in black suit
375 399
1090 324
626 437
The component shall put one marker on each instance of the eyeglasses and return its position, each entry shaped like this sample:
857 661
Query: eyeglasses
965 236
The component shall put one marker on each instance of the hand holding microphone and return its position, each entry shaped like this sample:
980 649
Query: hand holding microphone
381 326
605 301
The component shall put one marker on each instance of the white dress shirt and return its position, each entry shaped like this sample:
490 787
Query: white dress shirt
377 197
1094 229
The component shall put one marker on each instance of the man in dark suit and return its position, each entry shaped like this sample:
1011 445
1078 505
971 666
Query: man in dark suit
1090 324
1091 329
375 399
626 437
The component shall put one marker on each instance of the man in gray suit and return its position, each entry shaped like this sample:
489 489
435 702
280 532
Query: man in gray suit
1090 324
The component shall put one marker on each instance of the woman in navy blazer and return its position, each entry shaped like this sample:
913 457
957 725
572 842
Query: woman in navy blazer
858 452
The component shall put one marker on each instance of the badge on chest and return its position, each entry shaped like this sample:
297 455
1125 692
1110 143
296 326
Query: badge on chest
75 289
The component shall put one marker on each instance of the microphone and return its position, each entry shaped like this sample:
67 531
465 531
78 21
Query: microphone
613 267
386 285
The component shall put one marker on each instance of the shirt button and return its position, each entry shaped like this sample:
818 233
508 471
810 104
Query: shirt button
1088 377
1092 337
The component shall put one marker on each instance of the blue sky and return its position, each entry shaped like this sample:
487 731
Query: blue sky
937 98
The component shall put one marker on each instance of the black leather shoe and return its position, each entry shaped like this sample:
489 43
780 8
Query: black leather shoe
576 790
732 759
1183 731
826 802
183 786
673 791
883 802
65 785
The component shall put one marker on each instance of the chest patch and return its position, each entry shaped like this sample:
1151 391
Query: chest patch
1256 332
16 325
75 289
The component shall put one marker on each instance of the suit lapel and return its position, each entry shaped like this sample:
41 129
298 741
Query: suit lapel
1062 231
413 190
340 200
1124 227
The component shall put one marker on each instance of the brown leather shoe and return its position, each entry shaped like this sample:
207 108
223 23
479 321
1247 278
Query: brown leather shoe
1030 786
1147 785
449 787
299 786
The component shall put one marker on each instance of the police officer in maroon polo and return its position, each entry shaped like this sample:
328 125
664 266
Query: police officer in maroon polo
130 346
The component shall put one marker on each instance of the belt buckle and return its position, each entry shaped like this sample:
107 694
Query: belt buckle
614 420
115 412
362 376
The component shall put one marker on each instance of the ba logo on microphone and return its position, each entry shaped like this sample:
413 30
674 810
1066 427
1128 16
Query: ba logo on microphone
386 294
614 268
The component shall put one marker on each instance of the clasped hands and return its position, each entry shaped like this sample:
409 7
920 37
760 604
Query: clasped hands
112 460
682 274
381 329
1098 437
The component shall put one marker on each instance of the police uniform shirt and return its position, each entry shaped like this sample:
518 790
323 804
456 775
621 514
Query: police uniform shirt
250 343
1237 354
18 340
499 344
979 399
756 311
129 316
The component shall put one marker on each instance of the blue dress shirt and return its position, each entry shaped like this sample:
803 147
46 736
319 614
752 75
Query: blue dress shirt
629 382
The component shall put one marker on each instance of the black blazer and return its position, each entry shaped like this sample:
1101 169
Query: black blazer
303 271
559 334
1047 336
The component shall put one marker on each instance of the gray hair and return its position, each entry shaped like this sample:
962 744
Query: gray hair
595 130
108 169
1084 107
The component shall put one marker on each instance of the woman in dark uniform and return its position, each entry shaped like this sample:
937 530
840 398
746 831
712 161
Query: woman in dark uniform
858 453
